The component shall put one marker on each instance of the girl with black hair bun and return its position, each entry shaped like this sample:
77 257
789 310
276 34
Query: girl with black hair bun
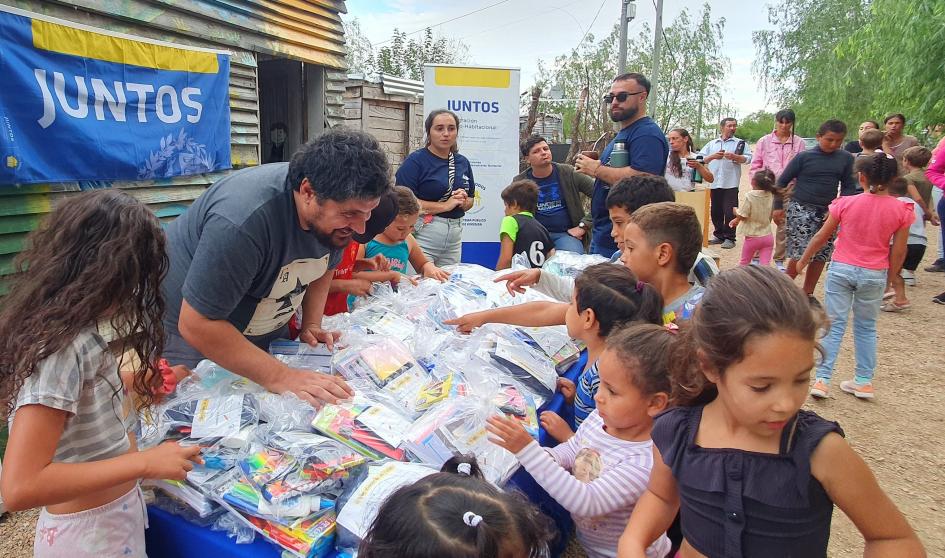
856 279
457 514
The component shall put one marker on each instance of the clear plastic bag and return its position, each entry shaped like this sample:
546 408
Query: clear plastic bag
209 418
459 427
302 355
235 528
285 412
383 364
373 428
509 351
359 504
571 264
455 299
286 464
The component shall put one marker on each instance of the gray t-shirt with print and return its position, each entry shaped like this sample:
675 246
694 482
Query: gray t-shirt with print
239 254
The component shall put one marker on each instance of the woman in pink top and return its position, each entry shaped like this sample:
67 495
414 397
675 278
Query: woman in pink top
936 175
857 276
774 152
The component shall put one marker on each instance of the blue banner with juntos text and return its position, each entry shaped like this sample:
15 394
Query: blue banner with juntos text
79 103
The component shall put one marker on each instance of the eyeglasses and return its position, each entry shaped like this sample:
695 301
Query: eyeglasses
621 97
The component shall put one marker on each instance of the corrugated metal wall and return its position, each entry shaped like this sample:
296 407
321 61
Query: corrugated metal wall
307 30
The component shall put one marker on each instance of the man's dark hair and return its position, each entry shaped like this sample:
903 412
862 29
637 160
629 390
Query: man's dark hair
835 126
523 194
341 165
530 142
639 78
726 120
636 191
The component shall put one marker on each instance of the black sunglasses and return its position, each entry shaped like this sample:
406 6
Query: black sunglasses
621 97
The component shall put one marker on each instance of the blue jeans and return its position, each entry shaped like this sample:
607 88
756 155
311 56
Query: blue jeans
860 289
566 242
937 195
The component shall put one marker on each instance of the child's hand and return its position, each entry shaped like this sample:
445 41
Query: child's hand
935 220
518 280
376 263
170 460
359 287
508 433
567 389
467 323
556 426
802 263
734 222
430 271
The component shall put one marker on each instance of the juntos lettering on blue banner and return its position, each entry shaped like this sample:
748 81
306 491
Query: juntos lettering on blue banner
166 101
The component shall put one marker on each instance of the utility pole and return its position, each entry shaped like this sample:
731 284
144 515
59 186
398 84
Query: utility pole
699 119
628 11
657 40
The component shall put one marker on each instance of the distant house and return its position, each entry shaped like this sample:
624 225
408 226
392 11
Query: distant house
286 79
548 126
390 109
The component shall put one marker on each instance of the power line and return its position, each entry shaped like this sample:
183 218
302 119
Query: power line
581 42
447 21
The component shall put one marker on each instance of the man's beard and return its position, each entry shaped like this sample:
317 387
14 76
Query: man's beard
332 239
624 115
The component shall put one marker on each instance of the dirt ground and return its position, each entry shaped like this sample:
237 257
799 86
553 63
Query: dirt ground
899 434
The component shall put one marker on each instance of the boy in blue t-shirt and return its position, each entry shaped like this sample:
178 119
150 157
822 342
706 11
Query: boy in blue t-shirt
520 232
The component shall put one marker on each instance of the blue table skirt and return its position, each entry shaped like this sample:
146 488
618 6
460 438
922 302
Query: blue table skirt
170 536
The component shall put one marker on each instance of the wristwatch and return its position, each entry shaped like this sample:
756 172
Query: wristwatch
582 225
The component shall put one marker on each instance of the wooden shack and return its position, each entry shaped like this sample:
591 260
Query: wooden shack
389 108
286 68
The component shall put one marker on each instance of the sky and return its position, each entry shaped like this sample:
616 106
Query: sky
517 33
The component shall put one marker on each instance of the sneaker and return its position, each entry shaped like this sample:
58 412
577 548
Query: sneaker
819 389
889 294
780 265
909 281
728 244
861 391
940 299
716 240
938 266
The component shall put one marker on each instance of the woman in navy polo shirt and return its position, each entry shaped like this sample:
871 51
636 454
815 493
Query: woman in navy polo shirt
442 180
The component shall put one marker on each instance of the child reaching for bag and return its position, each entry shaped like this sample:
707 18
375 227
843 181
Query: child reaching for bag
599 474
605 298
96 260
751 473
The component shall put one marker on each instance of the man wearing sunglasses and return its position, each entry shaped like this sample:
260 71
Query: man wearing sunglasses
642 138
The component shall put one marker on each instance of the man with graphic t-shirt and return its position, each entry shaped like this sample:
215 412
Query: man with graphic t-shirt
560 205
646 146
259 244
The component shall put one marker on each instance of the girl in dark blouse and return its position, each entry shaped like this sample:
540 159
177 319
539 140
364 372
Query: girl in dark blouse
750 473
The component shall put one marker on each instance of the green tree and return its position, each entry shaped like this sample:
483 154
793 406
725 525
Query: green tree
359 52
755 125
692 69
855 60
405 57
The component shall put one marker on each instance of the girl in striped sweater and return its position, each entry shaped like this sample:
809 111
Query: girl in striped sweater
601 471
